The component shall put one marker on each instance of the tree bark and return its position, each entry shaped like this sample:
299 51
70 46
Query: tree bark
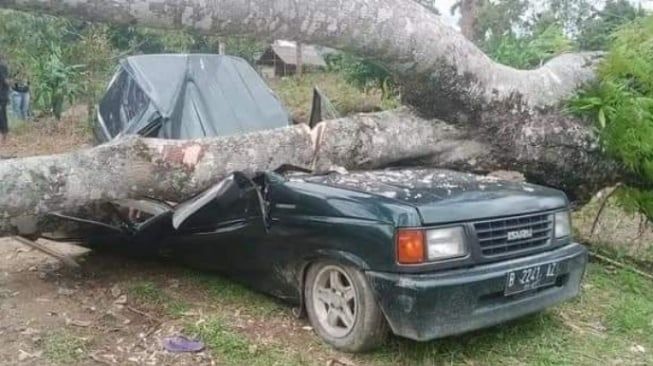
469 10
299 60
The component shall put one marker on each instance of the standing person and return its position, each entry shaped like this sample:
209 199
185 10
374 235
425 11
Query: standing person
4 99
21 99
14 100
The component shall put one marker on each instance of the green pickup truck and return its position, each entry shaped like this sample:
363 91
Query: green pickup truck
423 253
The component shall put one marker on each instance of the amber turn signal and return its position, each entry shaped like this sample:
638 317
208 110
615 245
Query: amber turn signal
410 246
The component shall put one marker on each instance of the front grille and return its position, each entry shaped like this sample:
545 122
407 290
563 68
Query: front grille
492 235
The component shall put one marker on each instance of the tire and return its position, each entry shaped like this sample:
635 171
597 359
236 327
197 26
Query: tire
360 328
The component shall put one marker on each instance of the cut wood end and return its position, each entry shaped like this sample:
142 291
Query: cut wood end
188 154
192 155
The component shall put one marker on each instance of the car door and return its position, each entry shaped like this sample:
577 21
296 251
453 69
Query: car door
220 228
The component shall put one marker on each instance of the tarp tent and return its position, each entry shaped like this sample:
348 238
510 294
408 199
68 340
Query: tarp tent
185 97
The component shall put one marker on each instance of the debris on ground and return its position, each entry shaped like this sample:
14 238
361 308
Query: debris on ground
637 349
182 344
65 291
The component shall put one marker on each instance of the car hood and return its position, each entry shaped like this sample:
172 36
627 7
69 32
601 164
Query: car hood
444 196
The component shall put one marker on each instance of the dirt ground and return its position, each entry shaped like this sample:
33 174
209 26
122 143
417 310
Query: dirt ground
114 310
50 314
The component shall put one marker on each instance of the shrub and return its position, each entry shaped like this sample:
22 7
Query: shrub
621 104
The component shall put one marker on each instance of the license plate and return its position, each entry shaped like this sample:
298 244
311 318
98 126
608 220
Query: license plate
531 278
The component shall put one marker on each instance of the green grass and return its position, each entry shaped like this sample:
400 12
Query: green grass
612 316
63 348
151 294
297 95
225 292
630 312
148 292
232 348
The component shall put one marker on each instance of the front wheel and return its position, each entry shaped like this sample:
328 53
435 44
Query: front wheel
342 308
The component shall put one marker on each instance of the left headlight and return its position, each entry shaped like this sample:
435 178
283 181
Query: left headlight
562 224
445 243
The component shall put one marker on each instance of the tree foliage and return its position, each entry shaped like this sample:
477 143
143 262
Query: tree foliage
55 80
37 49
595 33
621 104
362 73
511 33
526 33
531 50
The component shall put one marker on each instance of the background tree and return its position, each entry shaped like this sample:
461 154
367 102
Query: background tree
469 16
362 73
94 51
596 31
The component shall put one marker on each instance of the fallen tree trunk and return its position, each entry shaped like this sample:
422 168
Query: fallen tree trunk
176 170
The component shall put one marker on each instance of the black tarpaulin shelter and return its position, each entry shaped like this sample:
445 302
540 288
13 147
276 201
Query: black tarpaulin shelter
185 97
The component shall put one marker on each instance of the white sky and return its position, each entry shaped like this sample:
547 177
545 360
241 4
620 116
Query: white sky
444 7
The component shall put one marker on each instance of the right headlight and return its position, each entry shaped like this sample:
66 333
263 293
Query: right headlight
445 243
562 224
419 246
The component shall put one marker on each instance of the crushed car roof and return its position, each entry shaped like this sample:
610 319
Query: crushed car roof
185 96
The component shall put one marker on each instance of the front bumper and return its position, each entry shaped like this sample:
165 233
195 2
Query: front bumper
428 306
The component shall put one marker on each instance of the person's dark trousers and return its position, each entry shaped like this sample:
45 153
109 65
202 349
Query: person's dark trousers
4 123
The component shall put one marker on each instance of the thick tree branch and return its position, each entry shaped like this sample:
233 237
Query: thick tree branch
414 44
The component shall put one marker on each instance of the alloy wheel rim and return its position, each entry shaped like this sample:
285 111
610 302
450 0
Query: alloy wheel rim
334 301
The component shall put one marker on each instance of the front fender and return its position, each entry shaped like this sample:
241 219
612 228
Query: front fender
338 256
343 257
